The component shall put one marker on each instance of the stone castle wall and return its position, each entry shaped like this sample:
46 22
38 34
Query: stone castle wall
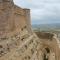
17 40
12 17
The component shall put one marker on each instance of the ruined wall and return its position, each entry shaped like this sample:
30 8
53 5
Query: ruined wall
6 17
50 46
44 35
13 17
17 40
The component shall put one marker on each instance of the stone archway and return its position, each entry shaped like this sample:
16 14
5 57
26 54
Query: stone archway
46 53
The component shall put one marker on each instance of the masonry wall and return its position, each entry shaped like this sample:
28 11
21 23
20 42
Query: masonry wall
13 17
17 41
6 17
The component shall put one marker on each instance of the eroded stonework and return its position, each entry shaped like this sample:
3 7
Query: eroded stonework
18 41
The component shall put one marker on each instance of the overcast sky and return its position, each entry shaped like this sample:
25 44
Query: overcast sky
42 11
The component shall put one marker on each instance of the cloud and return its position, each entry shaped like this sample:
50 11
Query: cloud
42 10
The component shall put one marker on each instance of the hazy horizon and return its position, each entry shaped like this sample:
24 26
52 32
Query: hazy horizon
43 22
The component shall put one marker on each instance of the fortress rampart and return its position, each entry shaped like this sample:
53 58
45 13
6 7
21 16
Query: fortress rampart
18 41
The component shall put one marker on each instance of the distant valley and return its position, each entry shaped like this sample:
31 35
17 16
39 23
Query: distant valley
51 28
47 27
